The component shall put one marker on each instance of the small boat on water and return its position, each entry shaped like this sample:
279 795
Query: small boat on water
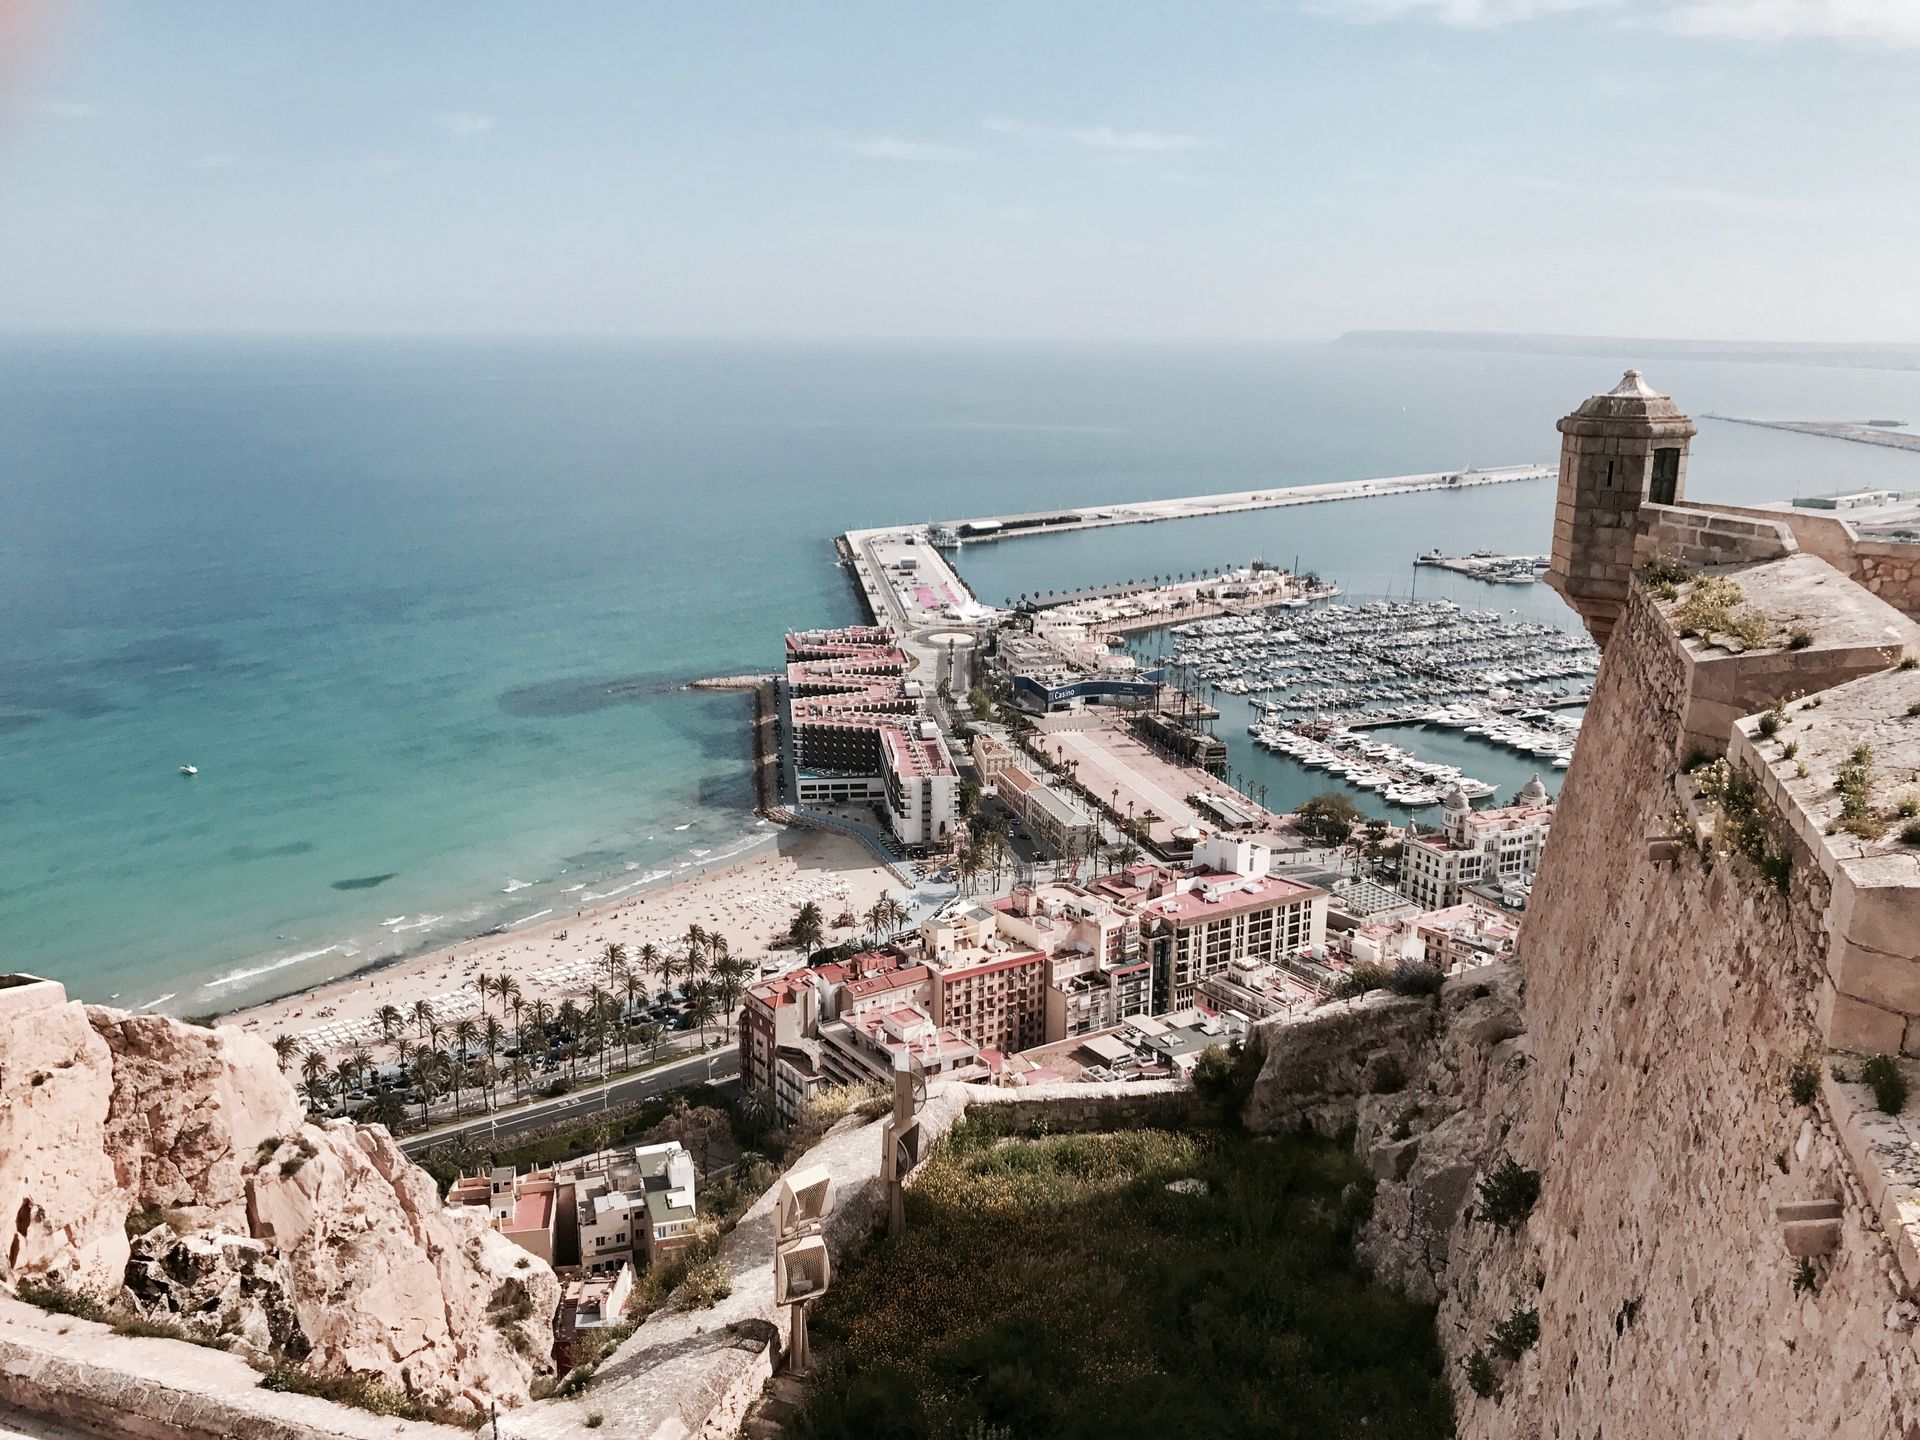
189 770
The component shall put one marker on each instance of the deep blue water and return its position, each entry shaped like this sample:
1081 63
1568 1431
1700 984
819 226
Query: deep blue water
420 610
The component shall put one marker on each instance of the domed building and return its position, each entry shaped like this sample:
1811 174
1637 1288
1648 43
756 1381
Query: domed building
1500 848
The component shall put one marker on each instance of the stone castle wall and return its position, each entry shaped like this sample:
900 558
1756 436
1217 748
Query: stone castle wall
1666 999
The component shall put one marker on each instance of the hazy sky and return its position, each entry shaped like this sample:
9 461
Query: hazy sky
1051 168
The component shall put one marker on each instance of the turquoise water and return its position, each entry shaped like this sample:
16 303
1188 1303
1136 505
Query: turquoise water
420 611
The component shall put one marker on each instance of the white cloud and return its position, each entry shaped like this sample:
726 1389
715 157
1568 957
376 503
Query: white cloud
886 147
1890 21
1885 21
464 124
221 161
1461 14
1102 137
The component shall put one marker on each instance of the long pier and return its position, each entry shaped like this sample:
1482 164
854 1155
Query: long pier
1137 512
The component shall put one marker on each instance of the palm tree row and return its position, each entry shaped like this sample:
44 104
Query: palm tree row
438 1059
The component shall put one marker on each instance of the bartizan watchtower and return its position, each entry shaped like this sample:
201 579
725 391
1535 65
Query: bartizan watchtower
1621 450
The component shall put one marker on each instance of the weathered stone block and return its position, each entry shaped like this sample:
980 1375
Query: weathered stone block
1850 1024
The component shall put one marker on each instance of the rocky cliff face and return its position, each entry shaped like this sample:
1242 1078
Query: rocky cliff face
323 1245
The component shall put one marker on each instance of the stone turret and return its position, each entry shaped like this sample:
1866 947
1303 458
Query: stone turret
1621 450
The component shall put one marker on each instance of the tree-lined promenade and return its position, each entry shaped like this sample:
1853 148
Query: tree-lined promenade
641 1003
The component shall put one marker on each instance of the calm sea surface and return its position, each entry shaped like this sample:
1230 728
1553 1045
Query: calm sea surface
420 611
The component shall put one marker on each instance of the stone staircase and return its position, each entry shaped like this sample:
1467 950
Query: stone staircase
767 1420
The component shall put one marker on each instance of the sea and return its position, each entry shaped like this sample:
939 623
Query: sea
423 611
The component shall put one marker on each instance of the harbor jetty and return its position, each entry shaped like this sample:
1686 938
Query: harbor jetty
1053 522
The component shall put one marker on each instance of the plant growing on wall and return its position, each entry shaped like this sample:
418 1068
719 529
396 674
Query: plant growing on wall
1883 1075
1508 1194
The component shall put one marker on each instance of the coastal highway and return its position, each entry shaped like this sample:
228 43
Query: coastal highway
716 1065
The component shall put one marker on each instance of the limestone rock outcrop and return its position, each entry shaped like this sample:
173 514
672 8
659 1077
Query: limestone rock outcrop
387 1281
219 1286
189 1107
322 1245
62 1210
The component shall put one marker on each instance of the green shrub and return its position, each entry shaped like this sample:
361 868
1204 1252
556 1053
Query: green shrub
1908 662
1790 749
1910 833
1803 1278
1363 979
1480 1377
1665 570
140 1327
1770 722
1883 1075
1508 1195
1913 711
1417 979
1516 1334
1799 638
708 1282
594 1420
1803 1080
53 1296
1225 1078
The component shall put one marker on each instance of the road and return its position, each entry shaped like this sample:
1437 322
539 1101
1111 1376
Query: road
717 1065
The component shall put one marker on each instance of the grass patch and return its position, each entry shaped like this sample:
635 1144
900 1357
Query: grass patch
1057 1288
57 1299
1715 608
363 1393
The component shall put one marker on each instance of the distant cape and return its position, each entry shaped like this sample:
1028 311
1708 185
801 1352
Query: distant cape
1757 352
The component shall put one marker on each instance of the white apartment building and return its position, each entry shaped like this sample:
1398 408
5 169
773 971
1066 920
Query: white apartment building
1500 847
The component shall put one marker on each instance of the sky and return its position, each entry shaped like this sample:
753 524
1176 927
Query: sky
1034 169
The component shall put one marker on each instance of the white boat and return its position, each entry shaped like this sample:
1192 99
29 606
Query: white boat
189 769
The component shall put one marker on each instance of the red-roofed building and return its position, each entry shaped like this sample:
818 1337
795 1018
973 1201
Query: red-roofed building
866 1048
773 1013
1212 919
994 998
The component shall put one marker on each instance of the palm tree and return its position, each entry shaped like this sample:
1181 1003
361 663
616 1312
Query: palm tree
615 955
809 928
539 1016
599 1002
650 1032
426 1073
647 959
422 1015
701 1005
567 1017
520 1073
390 1020
729 984
483 983
317 1091
493 1039
631 989
509 991
285 1047
313 1065
382 1109
465 1036
343 1075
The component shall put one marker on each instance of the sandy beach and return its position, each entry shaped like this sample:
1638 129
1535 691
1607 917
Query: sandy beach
751 903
